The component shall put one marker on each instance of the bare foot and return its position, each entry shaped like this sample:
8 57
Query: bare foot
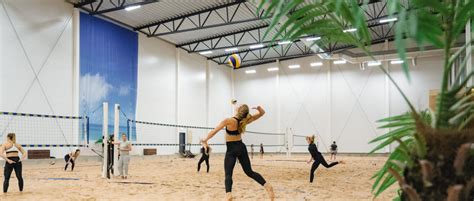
270 192
228 196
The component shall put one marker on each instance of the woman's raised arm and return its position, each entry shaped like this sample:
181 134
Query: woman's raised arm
260 113
215 131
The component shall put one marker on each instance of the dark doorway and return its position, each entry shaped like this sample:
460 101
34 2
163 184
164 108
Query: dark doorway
182 142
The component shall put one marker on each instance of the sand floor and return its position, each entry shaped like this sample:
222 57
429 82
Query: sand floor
176 179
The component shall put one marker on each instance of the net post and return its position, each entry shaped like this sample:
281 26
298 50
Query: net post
287 147
105 127
290 141
128 130
116 134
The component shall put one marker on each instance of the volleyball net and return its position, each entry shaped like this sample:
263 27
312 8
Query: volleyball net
63 134
171 137
58 133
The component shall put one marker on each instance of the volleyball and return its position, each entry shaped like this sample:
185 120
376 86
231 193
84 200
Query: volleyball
234 61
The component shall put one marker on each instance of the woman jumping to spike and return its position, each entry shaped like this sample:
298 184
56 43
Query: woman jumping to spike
12 161
317 157
236 149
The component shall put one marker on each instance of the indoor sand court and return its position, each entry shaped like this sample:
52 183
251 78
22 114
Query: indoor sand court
158 180
286 100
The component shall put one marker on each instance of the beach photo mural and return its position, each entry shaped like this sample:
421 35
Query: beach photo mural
108 73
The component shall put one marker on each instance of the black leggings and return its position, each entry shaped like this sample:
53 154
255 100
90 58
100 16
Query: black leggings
237 150
204 157
7 172
319 160
66 158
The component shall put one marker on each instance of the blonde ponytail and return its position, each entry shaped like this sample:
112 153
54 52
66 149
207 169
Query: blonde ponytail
243 123
244 117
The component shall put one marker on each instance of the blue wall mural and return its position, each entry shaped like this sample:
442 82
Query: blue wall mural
108 72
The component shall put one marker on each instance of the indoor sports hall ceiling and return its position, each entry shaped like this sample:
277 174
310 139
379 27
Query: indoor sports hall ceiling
218 28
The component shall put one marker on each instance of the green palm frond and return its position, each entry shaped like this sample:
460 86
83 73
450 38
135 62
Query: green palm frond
403 132
426 22
327 19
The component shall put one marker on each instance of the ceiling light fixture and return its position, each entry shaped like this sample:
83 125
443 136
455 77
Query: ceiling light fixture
313 38
350 30
250 71
130 8
272 69
231 49
205 52
294 66
397 62
284 42
340 61
256 46
374 63
388 20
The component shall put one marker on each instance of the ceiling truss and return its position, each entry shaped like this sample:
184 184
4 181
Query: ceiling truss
227 14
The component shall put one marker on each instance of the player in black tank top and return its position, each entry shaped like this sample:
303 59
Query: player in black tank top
204 157
236 149
317 157
236 132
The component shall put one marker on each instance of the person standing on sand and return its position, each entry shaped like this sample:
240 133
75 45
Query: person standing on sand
124 155
261 151
251 151
9 151
333 150
236 149
205 150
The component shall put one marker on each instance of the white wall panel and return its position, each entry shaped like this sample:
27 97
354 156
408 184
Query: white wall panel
260 89
304 101
220 95
36 65
358 100
156 93
337 102
424 77
192 93
37 41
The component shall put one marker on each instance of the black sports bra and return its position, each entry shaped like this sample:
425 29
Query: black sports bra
236 132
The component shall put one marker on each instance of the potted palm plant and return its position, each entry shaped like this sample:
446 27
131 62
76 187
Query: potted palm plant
433 158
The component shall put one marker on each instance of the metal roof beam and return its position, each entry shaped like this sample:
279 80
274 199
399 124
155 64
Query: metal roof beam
196 42
221 36
372 22
207 42
274 59
224 14
192 14
122 5
274 44
261 53
83 3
